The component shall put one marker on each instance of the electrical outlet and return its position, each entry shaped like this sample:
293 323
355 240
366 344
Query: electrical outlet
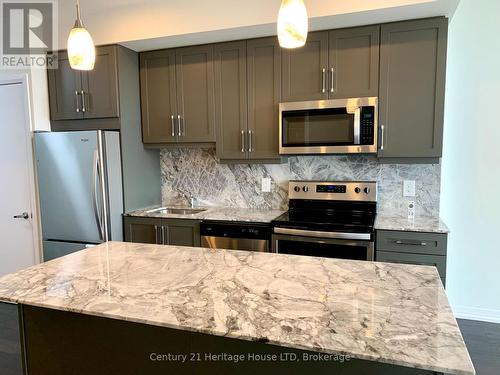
266 185
411 210
408 188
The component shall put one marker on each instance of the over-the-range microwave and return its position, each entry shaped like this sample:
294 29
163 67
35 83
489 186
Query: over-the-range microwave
337 126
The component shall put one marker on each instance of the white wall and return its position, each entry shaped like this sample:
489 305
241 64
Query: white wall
154 24
38 95
470 202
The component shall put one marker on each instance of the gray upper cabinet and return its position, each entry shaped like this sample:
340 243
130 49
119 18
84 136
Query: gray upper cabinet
231 99
305 70
158 96
412 83
177 95
264 95
247 94
195 94
65 85
353 62
82 95
100 87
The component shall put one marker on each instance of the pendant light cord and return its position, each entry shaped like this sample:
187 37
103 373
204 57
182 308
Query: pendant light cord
78 22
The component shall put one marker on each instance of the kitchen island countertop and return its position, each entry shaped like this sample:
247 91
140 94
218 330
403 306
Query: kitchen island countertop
390 313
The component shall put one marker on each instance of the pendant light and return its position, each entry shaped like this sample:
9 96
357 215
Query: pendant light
292 24
81 50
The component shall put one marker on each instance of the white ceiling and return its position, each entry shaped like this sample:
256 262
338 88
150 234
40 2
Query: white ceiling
152 24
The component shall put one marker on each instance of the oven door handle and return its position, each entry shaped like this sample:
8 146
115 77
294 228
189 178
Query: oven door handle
320 234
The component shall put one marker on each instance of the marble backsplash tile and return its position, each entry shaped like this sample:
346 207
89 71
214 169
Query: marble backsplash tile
198 172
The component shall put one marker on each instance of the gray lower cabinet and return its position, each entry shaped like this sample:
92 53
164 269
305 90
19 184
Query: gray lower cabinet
79 95
247 94
11 362
178 232
412 84
419 248
177 95
142 230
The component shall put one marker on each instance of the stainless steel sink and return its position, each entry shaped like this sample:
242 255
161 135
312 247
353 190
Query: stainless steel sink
177 210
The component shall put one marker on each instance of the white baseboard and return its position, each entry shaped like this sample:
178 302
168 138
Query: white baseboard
476 313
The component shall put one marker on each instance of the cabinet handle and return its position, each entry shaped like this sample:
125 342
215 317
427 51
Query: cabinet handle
382 137
250 141
399 242
243 141
172 124
83 101
77 109
179 122
323 80
156 234
163 240
332 80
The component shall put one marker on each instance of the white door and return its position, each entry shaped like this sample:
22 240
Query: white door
17 248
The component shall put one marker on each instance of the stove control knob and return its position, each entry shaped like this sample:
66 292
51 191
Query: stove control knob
367 190
357 190
306 189
296 188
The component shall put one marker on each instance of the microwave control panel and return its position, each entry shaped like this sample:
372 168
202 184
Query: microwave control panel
367 126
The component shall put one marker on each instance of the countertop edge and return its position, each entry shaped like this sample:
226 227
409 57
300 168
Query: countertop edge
359 356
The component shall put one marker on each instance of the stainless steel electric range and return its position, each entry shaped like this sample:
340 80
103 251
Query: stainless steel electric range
328 219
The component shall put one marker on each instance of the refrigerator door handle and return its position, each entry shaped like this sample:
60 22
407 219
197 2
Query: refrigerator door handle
95 200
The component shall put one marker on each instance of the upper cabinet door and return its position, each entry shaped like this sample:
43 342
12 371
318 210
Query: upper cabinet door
65 85
305 70
412 82
100 85
354 58
195 93
158 97
231 100
264 95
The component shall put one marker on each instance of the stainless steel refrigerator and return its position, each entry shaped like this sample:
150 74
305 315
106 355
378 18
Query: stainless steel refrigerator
80 189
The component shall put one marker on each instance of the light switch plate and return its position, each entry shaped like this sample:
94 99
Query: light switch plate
411 210
266 185
408 188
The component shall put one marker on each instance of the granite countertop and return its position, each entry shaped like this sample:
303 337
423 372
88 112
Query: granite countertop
430 224
215 213
391 313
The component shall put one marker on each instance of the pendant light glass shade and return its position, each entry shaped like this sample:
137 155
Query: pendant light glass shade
292 24
81 49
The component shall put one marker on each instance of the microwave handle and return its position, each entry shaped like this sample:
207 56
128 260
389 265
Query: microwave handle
357 126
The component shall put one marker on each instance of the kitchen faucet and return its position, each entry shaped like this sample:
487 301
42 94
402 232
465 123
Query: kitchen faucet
190 198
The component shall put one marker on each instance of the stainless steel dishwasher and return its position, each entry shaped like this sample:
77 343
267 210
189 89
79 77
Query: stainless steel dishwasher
235 236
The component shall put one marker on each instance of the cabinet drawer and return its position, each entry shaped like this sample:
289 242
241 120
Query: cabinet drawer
412 242
437 261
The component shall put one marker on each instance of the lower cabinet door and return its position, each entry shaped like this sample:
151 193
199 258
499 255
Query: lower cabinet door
10 340
142 230
182 232
438 261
